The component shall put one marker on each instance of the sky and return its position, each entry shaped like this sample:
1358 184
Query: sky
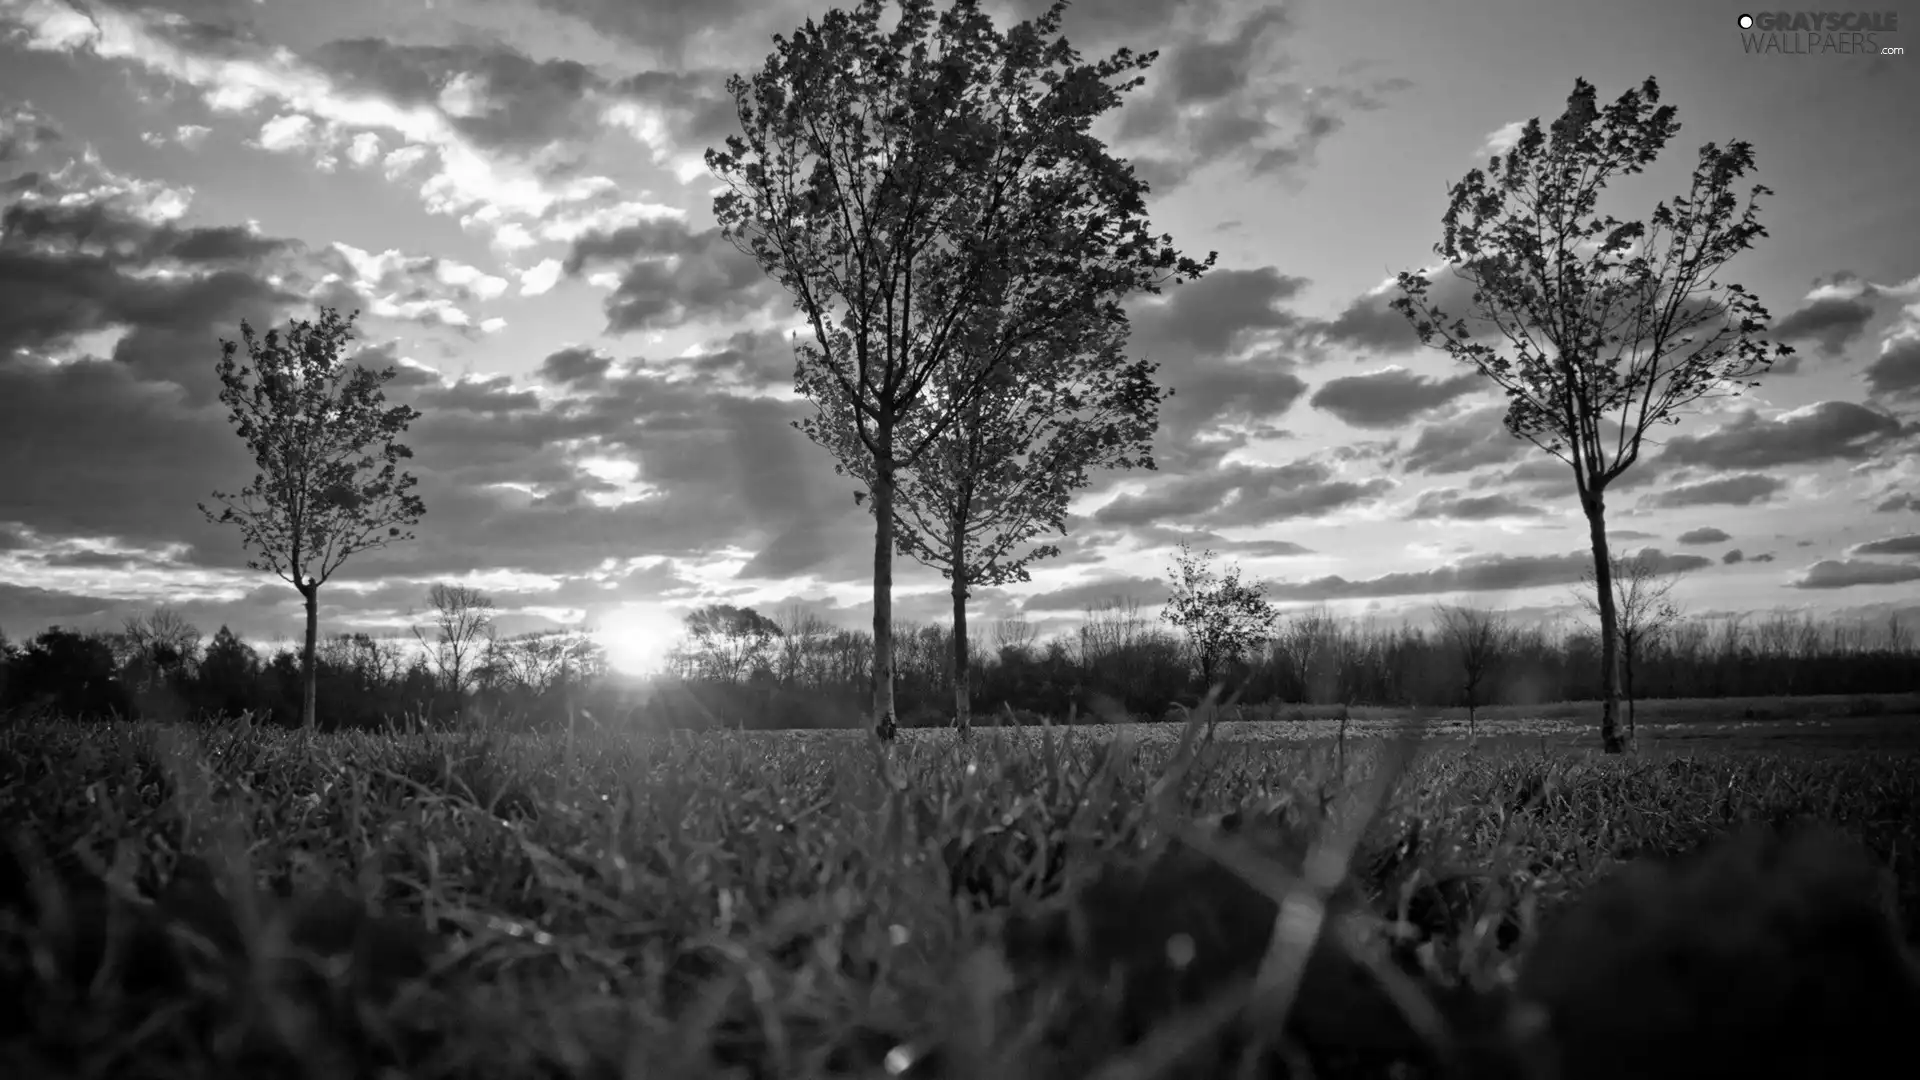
513 195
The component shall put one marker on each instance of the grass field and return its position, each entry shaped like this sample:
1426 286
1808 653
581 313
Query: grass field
1034 903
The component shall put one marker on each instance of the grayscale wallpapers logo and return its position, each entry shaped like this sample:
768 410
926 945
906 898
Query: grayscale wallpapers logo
1820 33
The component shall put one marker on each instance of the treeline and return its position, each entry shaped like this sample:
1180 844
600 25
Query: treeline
742 669
159 669
737 668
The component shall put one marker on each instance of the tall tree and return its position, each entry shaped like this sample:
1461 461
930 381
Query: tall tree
931 196
1611 326
1004 471
320 495
463 619
1223 617
1644 611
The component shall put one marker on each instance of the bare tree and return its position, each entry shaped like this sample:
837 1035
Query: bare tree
1613 326
319 497
1478 639
800 633
931 196
463 621
1013 633
541 660
1644 611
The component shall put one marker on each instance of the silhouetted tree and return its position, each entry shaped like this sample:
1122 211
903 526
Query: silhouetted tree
1644 611
229 674
69 674
319 497
931 196
463 622
1605 318
1478 639
1222 616
725 643
1007 467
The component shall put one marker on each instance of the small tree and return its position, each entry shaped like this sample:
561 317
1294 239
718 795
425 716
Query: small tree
1007 467
1222 616
1644 612
319 497
725 642
1478 640
463 618
1607 319
932 198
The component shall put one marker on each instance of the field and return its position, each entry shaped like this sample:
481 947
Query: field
1029 903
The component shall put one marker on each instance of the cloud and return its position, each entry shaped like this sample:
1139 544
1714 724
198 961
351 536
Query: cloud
1897 502
1223 310
503 149
1733 557
418 288
1454 504
1503 138
1822 432
537 280
1213 99
1243 494
1896 372
671 275
1087 594
1390 397
1848 573
1892 545
1706 534
664 26
577 366
1833 322
1477 573
494 95
24 130
1743 489
1369 322
1467 441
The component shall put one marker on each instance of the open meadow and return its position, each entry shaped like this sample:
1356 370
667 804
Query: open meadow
230 900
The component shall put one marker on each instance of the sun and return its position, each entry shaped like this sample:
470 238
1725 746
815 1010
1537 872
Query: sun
637 637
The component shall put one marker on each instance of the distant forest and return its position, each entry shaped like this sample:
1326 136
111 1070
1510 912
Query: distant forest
738 668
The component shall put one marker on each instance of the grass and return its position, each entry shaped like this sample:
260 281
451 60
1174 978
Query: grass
237 901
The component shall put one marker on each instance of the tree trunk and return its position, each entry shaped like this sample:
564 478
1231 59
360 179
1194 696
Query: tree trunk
1626 679
962 684
884 723
311 591
1595 505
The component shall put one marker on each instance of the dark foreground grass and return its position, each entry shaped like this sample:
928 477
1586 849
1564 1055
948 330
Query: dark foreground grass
239 902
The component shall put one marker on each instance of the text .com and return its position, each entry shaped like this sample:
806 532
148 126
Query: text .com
1806 33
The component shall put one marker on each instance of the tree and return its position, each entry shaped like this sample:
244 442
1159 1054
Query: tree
163 644
1478 639
1222 616
932 198
801 633
228 674
1644 611
464 618
540 661
1007 467
1607 320
726 642
319 497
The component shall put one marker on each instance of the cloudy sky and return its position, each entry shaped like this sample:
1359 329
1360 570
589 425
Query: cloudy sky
512 192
